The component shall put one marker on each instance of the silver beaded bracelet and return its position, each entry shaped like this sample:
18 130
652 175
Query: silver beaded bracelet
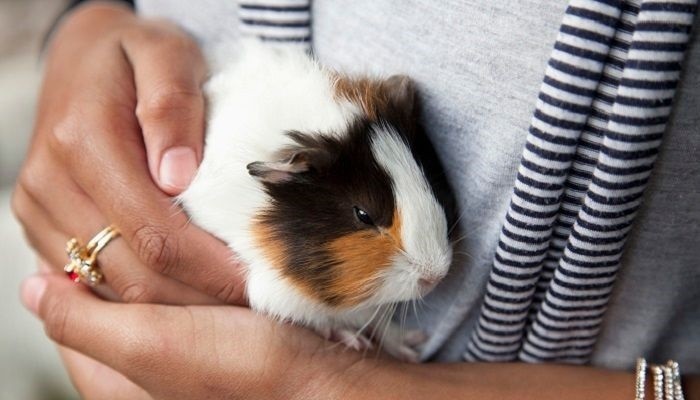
666 381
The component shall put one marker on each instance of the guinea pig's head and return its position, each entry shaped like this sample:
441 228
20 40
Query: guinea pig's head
352 219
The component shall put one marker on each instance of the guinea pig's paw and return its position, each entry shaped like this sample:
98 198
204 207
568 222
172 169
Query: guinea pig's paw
402 352
351 339
404 345
414 338
409 354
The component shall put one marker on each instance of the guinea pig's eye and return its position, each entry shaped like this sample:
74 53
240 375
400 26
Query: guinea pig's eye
363 216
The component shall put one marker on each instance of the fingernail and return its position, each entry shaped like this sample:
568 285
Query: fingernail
32 291
177 167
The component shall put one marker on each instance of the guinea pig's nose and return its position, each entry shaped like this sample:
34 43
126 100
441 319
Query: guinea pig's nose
427 283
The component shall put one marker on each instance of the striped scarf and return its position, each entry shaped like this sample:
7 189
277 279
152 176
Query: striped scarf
591 146
278 22
590 149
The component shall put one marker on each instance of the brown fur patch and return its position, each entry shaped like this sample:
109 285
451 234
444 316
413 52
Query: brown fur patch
365 92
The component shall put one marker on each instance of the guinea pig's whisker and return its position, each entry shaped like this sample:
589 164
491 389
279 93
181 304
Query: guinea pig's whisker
404 317
334 345
456 241
419 305
367 324
387 322
377 335
177 209
177 201
454 225
464 253
415 311
376 326
403 253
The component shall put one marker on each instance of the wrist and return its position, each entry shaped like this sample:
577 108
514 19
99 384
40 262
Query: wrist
351 376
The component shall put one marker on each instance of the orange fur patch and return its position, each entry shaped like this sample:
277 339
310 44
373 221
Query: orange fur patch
362 257
358 258
276 252
272 248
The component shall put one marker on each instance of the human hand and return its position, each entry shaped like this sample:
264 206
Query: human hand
120 127
141 351
145 351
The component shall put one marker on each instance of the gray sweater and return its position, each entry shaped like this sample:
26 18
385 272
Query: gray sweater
479 66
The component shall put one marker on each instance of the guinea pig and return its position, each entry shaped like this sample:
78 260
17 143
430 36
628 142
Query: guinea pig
315 181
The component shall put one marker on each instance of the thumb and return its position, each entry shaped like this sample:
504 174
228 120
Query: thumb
169 70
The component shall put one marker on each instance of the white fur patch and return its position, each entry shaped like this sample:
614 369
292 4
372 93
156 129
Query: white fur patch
252 102
423 224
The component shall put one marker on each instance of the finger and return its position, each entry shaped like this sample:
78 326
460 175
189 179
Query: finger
112 171
160 234
141 341
129 280
94 380
44 267
165 348
39 230
170 106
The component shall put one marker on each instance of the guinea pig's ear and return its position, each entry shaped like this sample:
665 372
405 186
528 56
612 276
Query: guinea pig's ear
400 92
309 153
280 171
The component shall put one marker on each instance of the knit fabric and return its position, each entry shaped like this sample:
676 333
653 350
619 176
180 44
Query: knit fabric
278 22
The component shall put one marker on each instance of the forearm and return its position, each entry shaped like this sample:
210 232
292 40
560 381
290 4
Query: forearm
370 378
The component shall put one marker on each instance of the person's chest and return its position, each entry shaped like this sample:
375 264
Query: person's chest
478 65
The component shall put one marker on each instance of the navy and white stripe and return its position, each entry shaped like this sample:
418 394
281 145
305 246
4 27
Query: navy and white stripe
568 322
592 142
586 157
280 22
564 103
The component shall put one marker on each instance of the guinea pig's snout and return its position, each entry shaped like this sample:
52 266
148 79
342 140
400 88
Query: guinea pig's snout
427 283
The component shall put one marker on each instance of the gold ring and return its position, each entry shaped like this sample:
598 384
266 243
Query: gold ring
82 265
